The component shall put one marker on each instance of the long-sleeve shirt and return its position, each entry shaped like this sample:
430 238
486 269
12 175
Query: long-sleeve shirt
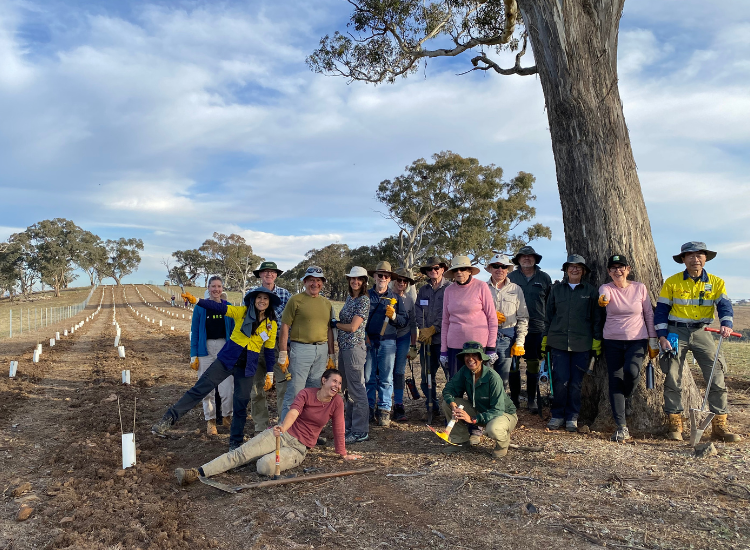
487 395
378 303
509 300
283 294
198 335
683 300
411 323
429 308
468 315
535 291
313 417
629 312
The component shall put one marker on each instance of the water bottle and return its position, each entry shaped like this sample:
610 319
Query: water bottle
650 375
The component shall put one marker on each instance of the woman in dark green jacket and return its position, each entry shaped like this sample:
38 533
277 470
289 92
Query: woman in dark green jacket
572 331
486 407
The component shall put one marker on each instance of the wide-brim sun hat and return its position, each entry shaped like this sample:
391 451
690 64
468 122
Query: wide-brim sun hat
433 261
267 266
403 273
576 259
694 246
460 261
474 347
250 297
526 251
356 271
501 259
382 266
313 271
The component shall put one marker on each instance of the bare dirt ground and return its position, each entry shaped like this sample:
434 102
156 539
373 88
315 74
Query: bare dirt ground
60 455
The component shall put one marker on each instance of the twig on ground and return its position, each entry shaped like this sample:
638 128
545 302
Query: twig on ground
525 448
521 478
570 529
408 475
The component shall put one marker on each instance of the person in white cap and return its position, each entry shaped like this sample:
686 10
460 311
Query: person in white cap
305 326
512 321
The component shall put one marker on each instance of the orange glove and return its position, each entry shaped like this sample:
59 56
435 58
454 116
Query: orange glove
500 317
653 348
603 302
331 361
195 363
283 361
190 298
390 312
517 351
269 381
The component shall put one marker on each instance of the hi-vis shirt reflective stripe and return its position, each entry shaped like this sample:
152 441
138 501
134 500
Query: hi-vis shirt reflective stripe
683 300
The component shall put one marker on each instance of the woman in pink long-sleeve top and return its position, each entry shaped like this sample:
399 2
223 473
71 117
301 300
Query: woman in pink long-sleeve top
468 314
628 331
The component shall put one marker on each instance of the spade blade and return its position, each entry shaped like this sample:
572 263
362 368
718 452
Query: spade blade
443 436
217 485
699 421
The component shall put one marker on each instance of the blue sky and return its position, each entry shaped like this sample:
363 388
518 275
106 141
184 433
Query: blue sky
171 120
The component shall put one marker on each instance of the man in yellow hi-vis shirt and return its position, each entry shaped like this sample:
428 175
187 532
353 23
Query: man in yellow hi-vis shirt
685 306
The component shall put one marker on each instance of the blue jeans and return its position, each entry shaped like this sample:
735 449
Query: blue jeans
568 368
381 356
399 367
504 360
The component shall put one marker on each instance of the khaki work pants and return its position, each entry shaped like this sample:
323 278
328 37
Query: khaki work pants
258 401
498 428
701 343
263 447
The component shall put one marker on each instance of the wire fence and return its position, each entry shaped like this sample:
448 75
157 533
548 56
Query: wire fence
29 319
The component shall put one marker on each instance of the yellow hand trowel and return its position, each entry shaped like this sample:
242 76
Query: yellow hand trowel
446 434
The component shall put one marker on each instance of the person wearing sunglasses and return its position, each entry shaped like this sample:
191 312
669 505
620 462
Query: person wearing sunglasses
628 332
406 341
572 331
429 316
468 314
513 323
685 306
387 316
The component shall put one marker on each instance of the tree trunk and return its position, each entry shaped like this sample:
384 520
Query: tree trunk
575 49
116 278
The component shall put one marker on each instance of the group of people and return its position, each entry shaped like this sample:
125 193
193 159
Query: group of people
475 331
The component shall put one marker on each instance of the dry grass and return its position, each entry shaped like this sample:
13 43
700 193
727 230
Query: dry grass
34 307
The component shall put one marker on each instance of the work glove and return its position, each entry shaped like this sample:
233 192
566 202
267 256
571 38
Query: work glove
283 361
390 312
334 322
603 302
517 351
189 298
426 334
492 357
500 317
413 352
331 361
269 382
596 347
544 343
444 359
195 363
653 348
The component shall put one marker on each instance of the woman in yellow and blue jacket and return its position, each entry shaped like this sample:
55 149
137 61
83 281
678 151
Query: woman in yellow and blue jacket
255 329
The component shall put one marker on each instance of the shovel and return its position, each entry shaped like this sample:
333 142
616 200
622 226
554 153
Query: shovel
446 434
701 418
275 482
277 472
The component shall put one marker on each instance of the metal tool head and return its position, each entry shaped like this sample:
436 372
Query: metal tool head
442 435
179 281
217 485
699 421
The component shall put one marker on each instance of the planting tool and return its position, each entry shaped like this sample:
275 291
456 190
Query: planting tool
275 482
277 473
411 384
391 302
445 436
701 418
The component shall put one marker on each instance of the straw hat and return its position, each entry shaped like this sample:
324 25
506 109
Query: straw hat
461 261
382 266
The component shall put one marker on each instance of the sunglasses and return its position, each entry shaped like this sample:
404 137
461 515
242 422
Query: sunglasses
314 270
382 275
462 269
498 266
618 268
404 281
433 268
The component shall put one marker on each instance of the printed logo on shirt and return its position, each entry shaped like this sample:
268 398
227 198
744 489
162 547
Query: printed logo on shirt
707 287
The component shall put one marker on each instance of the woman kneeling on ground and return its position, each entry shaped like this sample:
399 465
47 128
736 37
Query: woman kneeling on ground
486 407
308 415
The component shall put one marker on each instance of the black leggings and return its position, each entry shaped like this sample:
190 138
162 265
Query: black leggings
624 360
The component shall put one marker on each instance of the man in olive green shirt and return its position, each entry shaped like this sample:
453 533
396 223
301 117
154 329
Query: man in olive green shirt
305 324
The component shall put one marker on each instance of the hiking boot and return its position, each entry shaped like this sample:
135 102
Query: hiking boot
533 406
628 406
227 422
499 452
372 415
356 437
571 425
621 434
531 386
211 427
162 427
399 414
555 423
184 477
674 427
384 418
475 435
720 430
233 446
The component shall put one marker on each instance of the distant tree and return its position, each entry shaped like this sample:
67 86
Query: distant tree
56 244
232 257
92 254
123 257
19 264
192 264
454 205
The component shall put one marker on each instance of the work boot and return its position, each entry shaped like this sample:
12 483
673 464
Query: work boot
514 383
571 426
372 415
453 449
211 427
184 477
531 386
227 421
720 430
399 414
162 427
384 418
234 446
674 427
499 451
475 435
621 434
555 423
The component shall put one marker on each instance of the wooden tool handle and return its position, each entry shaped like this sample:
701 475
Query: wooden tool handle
287 481
278 456
708 329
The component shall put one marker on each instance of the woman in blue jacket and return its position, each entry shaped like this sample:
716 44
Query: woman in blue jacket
208 334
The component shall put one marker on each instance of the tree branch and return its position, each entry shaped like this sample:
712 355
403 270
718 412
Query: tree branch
516 69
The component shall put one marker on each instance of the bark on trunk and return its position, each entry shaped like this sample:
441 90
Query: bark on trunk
575 49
